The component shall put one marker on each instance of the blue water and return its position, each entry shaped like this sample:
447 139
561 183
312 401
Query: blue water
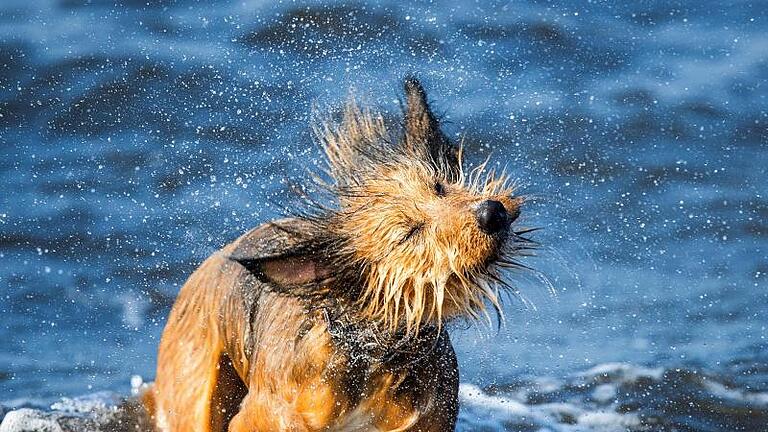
138 137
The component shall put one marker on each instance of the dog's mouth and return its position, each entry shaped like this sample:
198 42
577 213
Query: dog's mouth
509 238
516 244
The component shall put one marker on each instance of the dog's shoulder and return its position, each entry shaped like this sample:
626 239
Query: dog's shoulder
271 239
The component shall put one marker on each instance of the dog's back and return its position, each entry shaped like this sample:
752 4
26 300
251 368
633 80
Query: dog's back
237 354
335 320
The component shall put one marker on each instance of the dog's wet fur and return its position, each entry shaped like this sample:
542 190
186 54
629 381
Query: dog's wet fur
334 319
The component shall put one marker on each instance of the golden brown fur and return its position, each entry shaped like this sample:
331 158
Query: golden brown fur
333 320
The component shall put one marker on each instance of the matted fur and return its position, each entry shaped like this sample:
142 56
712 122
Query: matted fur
380 186
333 319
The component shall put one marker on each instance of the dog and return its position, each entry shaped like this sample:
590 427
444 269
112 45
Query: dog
334 319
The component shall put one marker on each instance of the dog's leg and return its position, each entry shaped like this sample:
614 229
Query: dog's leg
290 391
257 414
188 359
229 392
185 382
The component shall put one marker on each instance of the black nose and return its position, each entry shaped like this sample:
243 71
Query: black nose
492 216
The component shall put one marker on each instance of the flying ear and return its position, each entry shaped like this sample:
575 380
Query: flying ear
420 123
274 254
422 129
284 271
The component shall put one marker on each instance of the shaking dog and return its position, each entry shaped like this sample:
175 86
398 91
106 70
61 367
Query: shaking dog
335 319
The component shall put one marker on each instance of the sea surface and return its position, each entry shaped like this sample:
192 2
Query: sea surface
138 136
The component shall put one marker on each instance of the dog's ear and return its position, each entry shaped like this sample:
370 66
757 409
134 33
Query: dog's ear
285 271
278 253
422 129
421 125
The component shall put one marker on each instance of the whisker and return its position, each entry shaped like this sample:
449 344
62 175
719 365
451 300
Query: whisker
527 230
514 264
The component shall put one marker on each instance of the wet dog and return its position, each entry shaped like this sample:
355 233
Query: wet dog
334 319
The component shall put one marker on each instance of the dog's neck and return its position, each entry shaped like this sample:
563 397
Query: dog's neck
368 342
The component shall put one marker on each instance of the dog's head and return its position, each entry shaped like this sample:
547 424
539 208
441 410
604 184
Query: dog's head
410 237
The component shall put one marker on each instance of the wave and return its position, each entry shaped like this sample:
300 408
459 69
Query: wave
616 397
605 398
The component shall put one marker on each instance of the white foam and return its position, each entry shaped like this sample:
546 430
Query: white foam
608 421
471 395
624 372
604 393
499 412
26 419
87 403
720 390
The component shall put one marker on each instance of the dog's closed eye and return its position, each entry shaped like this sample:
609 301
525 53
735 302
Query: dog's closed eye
415 230
439 189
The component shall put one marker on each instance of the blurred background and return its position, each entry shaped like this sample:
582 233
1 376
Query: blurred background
137 137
